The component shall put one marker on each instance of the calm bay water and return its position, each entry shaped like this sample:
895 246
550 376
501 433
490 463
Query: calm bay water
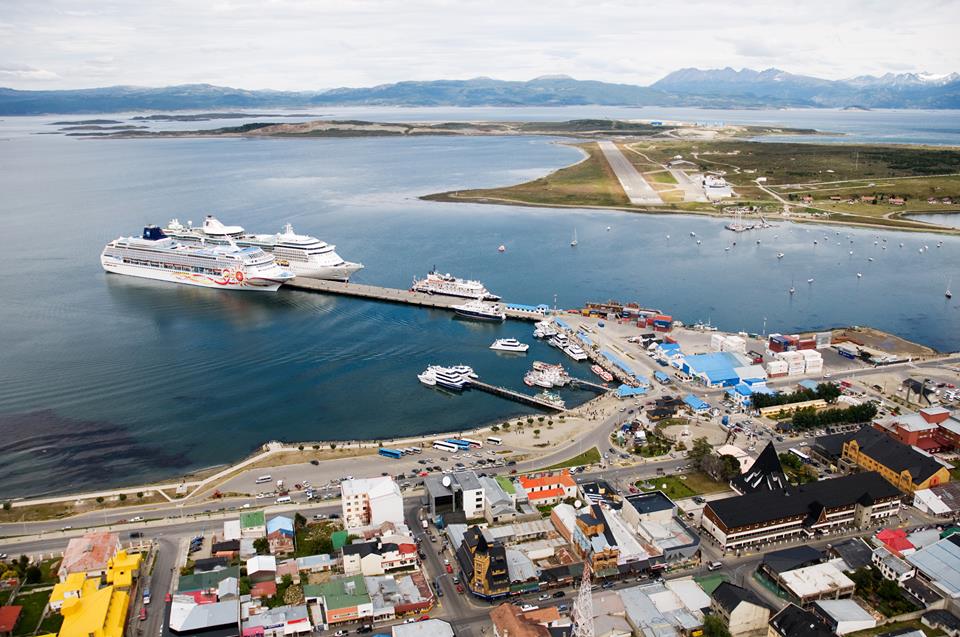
110 380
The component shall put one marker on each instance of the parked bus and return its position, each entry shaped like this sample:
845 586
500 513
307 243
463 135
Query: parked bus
493 440
445 446
474 444
391 453
804 457
460 444
263 479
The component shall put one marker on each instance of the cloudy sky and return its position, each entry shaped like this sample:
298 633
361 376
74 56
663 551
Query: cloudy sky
312 44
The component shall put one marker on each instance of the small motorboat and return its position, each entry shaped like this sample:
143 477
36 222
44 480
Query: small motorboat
502 248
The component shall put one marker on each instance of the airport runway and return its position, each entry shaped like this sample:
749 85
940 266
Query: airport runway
634 185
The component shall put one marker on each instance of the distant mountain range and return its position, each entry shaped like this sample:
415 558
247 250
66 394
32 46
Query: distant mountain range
719 88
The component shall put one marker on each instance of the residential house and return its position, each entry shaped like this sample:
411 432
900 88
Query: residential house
377 558
280 621
891 566
543 489
253 525
89 554
793 621
316 563
280 535
262 568
742 611
343 599
844 616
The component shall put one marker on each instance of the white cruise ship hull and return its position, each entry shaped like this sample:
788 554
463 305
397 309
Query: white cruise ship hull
309 270
189 278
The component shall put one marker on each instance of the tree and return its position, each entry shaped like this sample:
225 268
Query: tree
333 445
300 447
123 497
99 499
244 583
261 546
495 428
713 626
140 494
530 421
316 447
7 506
536 433
32 575
299 521
540 418
700 448
506 426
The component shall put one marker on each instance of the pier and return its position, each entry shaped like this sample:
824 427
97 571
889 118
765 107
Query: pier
519 397
394 295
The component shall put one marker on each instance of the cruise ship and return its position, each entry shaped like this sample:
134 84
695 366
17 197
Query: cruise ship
157 256
302 254
449 285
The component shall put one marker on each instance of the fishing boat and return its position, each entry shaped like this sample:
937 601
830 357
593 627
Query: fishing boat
502 248
573 243
780 255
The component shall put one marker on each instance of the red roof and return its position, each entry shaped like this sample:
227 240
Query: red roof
407 548
895 540
9 615
263 589
545 494
201 598
547 480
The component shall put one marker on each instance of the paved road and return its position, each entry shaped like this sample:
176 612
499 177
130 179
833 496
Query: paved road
692 190
634 185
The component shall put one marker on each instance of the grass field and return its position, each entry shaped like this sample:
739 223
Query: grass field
590 456
709 583
896 626
590 182
33 605
678 488
660 177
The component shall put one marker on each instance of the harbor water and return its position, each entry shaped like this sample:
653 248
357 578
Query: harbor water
108 380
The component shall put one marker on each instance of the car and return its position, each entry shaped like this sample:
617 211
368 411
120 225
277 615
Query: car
634 490
449 568
133 534
137 518
559 594
143 613
699 499
606 585
712 566
315 462
340 633
423 618
334 516
460 588
543 597
528 607
366 628
246 506
167 598
319 516
562 608
456 580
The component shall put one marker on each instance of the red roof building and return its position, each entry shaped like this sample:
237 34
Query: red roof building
896 541
263 589
548 488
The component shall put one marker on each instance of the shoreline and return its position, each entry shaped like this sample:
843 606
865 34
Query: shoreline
202 482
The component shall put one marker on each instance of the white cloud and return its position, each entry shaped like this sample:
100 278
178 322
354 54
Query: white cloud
311 44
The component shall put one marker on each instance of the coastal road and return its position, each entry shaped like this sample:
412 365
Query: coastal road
634 185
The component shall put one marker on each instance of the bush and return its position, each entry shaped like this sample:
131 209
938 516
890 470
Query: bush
99 499
300 447
495 428
7 506
123 497
140 494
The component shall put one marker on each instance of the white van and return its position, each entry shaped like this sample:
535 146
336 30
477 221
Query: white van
284 499
263 479
712 566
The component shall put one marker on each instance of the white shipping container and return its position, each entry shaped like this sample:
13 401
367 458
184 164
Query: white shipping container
735 344
777 367
811 355
823 339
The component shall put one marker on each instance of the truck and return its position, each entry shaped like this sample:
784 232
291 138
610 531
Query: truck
280 484
423 523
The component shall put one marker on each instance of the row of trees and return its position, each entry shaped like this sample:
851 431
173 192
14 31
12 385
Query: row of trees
810 418
721 468
825 391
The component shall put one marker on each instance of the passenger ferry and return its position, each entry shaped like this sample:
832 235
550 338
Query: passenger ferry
449 285
480 310
575 352
304 255
156 256
449 377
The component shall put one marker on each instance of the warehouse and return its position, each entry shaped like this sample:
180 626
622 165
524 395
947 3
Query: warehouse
799 512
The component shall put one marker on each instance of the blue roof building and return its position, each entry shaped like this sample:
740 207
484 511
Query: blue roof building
808 384
625 391
619 362
716 369
280 523
696 404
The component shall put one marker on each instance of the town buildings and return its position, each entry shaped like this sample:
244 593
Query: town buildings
371 502
800 512
484 564
742 611
458 491
89 554
900 464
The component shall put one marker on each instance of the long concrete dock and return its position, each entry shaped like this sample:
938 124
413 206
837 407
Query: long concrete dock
514 395
394 295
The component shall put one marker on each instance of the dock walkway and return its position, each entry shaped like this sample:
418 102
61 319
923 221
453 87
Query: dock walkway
395 295
514 395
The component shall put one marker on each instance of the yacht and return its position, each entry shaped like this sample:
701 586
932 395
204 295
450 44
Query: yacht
779 255
480 310
509 345
154 255
545 329
449 285
553 398
302 254
559 340
466 370
573 243
575 352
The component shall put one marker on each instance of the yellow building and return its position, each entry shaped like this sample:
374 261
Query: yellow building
97 612
901 465
91 611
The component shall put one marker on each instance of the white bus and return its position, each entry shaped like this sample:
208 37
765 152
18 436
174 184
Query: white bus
474 444
263 479
803 457
445 446
493 440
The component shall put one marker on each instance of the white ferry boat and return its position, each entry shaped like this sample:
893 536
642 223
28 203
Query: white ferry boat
156 256
575 352
545 329
481 310
449 285
447 377
559 340
304 255
509 345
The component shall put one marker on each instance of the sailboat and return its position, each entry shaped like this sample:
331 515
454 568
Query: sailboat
948 293
573 244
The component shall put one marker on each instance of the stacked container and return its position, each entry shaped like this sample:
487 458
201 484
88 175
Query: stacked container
796 364
716 342
813 361
662 323
807 344
823 339
777 368
777 343
735 344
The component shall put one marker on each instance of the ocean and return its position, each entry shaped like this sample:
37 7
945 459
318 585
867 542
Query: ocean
108 380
